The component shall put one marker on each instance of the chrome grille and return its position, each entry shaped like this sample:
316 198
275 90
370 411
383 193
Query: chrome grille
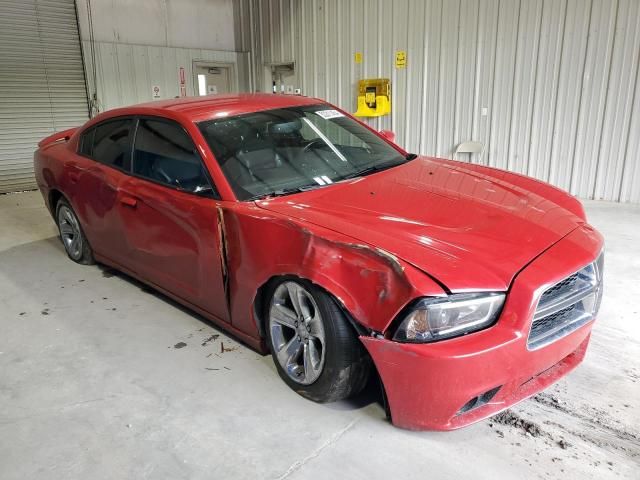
567 305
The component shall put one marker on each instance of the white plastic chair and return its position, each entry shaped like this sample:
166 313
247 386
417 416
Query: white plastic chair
469 147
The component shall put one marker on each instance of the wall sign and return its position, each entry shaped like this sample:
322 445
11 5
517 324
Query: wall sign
155 91
401 59
182 84
357 57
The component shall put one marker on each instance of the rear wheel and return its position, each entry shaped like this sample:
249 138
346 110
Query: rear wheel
75 243
314 348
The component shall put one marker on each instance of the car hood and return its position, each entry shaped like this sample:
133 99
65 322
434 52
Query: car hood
468 230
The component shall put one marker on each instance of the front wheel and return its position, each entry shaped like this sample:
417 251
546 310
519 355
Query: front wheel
315 350
75 242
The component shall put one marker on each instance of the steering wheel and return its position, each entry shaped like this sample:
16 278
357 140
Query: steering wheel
163 174
311 144
168 179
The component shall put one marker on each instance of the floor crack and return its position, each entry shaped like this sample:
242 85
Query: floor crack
297 465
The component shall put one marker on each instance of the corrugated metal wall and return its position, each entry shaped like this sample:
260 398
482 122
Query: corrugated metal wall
126 74
558 78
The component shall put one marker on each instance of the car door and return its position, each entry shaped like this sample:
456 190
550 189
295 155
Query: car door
95 173
169 215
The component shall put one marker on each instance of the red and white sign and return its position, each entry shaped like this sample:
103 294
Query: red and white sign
183 87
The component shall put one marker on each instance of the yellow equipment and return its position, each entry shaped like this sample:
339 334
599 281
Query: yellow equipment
374 97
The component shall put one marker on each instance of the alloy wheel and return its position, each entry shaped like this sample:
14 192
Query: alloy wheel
297 332
70 232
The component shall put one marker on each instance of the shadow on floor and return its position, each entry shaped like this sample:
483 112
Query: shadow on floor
372 393
47 255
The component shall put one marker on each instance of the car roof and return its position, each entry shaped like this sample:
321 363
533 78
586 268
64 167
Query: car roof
198 109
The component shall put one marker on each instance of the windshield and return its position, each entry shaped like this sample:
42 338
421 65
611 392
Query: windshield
292 149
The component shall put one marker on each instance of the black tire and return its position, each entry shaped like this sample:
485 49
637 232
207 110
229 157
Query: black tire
347 364
69 225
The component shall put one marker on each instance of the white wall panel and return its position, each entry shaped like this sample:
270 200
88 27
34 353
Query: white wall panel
524 83
558 78
169 23
621 86
465 72
485 73
448 59
593 94
127 73
630 191
503 83
547 78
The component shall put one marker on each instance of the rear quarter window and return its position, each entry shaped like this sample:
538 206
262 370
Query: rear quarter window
109 143
112 143
86 143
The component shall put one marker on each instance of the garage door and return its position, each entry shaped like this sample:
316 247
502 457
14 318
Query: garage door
42 87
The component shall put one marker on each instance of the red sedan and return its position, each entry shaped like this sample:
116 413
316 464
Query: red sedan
307 234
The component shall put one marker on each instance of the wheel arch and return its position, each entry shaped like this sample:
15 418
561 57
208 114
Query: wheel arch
262 298
262 293
360 330
53 198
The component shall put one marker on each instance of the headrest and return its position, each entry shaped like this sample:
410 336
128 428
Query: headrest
284 128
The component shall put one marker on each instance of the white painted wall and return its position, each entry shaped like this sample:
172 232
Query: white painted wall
201 24
126 74
139 44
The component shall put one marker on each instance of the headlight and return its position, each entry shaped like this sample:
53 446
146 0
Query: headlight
437 318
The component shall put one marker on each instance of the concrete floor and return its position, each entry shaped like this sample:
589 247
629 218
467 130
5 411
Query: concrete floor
92 386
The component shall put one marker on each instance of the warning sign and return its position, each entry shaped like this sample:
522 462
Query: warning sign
401 59
155 91
182 84
357 57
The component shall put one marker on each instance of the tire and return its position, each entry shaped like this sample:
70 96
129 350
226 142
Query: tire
71 234
315 349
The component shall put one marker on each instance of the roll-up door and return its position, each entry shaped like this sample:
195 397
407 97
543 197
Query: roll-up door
42 86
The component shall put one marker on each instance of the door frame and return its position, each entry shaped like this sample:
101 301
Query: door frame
268 73
232 69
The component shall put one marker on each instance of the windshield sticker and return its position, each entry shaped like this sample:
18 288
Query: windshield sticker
329 114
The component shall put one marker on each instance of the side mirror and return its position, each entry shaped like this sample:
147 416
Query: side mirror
389 135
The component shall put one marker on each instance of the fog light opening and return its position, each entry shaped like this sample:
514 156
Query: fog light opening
479 401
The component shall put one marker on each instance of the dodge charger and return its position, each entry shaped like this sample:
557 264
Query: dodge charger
305 233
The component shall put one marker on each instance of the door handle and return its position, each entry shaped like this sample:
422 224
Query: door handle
128 201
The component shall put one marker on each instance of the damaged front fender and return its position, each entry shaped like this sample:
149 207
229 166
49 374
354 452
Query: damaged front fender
371 284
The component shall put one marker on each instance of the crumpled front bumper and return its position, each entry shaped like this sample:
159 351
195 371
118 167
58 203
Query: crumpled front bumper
427 385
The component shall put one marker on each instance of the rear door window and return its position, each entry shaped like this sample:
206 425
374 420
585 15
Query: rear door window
164 153
111 143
